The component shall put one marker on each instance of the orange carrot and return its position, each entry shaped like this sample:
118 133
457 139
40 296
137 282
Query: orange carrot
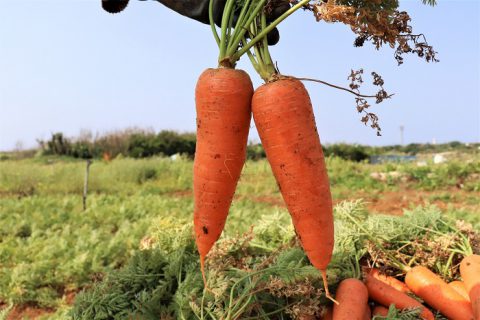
368 313
352 297
470 272
391 281
436 292
284 118
328 315
380 311
223 103
386 295
459 286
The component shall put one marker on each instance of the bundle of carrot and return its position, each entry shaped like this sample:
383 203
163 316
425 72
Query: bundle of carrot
223 99
223 102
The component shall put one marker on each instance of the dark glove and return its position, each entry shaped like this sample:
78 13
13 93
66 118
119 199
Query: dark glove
198 10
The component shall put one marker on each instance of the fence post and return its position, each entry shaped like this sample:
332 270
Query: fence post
85 185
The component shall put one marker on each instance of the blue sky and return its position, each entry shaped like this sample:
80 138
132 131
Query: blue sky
67 66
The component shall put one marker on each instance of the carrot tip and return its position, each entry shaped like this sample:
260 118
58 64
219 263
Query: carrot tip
202 270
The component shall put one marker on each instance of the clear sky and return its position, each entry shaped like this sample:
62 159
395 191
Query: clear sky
68 65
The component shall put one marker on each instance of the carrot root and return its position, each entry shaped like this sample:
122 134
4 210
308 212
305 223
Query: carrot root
325 285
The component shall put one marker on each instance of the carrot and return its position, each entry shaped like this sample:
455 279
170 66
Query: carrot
391 281
328 315
386 295
368 313
223 104
285 122
459 286
470 272
380 311
352 297
436 292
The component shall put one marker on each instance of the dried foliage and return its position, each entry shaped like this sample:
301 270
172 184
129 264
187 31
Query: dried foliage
376 21
356 81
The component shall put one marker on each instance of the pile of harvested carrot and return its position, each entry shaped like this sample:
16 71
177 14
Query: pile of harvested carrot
455 300
421 290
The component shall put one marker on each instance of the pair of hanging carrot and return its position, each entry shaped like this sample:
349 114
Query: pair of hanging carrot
282 110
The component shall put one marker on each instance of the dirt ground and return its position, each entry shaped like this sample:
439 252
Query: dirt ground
395 202
32 312
27 312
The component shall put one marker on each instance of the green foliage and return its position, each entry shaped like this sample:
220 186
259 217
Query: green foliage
4 312
452 174
345 151
133 143
144 288
251 277
172 286
50 247
58 144
348 175
164 143
255 151
396 314
139 143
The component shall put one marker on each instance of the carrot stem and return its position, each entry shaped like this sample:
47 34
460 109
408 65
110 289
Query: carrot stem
270 27
254 62
266 53
238 35
212 23
227 12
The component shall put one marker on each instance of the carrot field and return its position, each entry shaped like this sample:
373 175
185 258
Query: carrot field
134 236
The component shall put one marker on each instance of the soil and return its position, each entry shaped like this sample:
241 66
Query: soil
395 202
32 312
27 312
